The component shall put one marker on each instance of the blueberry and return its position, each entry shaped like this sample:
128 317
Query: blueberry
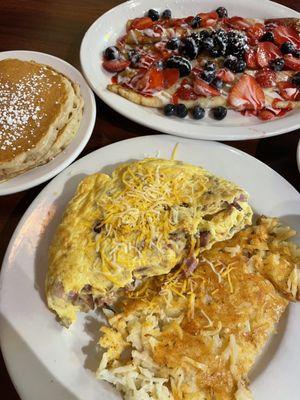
196 22
160 64
173 44
182 64
181 110
208 76
235 64
208 43
237 43
153 14
134 57
198 112
287 48
190 48
267 37
111 53
296 53
219 113
240 66
210 66
217 83
296 79
169 110
222 12
277 64
230 62
167 14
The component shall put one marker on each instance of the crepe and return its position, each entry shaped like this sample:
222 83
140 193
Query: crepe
195 333
142 221
41 110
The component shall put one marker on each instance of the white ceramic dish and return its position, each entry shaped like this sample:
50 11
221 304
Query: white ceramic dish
106 29
45 172
298 155
48 362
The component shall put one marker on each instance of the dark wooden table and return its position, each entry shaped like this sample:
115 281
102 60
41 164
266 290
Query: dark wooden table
57 27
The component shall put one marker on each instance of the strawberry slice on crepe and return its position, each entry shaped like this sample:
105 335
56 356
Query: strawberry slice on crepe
266 52
115 65
202 88
288 91
246 94
237 23
147 82
208 19
140 23
292 62
284 34
266 78
225 75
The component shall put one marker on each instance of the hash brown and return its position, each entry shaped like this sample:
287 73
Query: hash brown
195 334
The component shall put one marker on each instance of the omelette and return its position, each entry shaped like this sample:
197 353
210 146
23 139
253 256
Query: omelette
142 221
195 333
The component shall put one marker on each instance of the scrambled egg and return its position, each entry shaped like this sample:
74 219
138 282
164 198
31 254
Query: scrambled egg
194 334
146 218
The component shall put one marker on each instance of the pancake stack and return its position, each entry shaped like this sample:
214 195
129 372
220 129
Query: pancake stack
40 113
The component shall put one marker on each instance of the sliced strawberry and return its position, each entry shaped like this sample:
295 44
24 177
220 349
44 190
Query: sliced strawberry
266 77
196 71
250 58
266 115
289 106
141 23
238 23
225 75
170 76
186 92
158 29
254 33
181 21
246 94
115 65
292 62
147 60
208 19
204 89
148 82
288 90
286 34
266 52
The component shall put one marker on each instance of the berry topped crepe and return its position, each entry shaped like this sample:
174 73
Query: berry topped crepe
208 60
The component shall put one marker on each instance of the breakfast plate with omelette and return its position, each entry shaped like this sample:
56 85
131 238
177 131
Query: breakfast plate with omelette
47 116
160 268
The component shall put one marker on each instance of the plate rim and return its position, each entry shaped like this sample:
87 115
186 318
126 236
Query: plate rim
206 132
31 207
85 136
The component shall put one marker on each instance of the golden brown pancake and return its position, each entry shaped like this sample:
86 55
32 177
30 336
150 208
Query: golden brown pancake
36 104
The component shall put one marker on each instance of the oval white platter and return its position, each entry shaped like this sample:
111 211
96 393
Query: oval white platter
106 29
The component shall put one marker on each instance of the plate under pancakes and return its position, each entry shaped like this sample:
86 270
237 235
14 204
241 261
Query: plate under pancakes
40 110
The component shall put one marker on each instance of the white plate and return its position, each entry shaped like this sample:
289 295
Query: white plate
298 155
49 362
41 174
106 29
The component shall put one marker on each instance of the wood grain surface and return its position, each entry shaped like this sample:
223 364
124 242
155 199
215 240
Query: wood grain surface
57 27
